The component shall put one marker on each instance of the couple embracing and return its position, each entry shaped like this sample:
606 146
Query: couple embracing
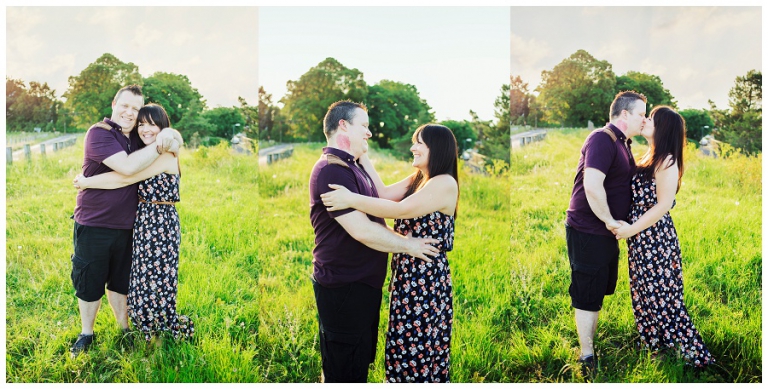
616 198
348 204
126 231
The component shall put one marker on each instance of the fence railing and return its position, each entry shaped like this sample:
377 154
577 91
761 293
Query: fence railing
52 145
275 153
524 138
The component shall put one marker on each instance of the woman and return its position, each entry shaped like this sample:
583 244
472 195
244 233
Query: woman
424 204
156 234
655 268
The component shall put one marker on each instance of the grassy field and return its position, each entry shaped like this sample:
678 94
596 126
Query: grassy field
246 260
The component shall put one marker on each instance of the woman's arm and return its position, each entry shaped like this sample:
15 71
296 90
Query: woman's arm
438 194
394 192
166 162
666 186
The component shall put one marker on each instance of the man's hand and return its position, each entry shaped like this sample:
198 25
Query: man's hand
169 140
422 248
624 231
612 225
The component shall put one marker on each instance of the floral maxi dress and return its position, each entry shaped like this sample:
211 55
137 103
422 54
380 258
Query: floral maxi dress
418 341
656 281
155 263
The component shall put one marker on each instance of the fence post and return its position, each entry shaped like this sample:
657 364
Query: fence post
28 152
55 146
42 149
9 155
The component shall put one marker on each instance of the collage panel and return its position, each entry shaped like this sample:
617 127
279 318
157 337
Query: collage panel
426 89
157 231
684 84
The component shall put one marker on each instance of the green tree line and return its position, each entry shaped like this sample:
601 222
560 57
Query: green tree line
89 95
581 87
395 110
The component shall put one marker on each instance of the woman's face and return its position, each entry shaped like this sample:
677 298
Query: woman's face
420 154
148 132
648 129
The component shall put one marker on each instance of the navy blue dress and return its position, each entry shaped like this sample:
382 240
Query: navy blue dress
656 281
418 341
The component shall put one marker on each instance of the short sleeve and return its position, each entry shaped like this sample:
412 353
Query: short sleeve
339 175
599 152
101 144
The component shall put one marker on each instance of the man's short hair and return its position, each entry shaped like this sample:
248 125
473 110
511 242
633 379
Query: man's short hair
340 110
625 100
135 89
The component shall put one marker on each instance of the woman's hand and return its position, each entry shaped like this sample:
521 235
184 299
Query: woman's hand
80 182
338 199
625 231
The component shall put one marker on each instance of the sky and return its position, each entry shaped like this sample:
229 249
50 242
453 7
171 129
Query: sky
216 48
696 51
456 57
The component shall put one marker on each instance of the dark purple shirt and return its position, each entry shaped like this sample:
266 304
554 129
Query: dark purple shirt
113 208
615 160
338 258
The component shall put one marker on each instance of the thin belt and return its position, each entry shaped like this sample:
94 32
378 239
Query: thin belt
157 202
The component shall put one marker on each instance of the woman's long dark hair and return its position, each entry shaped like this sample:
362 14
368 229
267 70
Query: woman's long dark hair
668 140
443 156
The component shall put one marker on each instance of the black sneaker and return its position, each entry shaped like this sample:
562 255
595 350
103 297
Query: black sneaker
588 366
83 343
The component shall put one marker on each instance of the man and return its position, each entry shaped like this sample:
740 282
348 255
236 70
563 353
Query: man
601 196
103 228
350 255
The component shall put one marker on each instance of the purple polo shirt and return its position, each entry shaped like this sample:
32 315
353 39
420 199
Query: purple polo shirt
338 258
615 160
113 208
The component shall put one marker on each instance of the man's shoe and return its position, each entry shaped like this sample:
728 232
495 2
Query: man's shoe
588 366
83 343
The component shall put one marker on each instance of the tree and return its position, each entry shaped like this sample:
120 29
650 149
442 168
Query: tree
309 97
647 84
90 93
519 101
223 120
495 138
578 89
395 110
27 108
175 93
194 122
251 118
742 127
267 112
698 123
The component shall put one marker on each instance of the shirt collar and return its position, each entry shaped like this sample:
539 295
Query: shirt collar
619 134
114 125
339 153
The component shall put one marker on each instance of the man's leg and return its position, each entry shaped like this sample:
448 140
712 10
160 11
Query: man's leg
586 325
118 283
119 304
88 311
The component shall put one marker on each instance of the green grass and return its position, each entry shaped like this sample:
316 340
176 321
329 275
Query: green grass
246 257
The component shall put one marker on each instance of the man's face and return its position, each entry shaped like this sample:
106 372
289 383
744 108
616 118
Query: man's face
358 133
125 109
635 118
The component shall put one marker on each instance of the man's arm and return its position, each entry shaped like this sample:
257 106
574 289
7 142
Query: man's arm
381 238
596 197
168 140
135 162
